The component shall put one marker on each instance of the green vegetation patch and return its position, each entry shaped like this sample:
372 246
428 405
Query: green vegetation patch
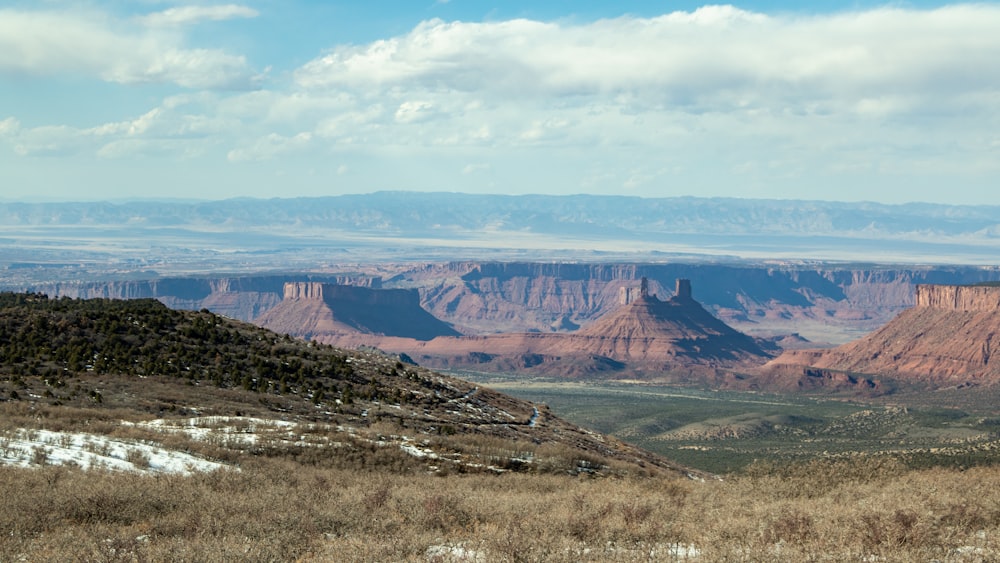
727 431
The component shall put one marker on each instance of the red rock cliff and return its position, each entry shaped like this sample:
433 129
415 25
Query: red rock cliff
949 337
959 297
316 309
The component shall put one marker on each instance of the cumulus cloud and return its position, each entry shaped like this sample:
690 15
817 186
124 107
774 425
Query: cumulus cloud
721 98
51 42
9 127
716 57
415 112
172 128
475 167
187 15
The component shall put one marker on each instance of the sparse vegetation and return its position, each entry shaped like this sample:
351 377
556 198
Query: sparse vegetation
417 468
280 509
727 431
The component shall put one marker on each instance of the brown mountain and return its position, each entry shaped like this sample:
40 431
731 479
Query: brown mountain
951 336
321 311
645 334
648 329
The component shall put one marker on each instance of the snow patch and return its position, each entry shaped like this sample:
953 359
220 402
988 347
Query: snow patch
27 448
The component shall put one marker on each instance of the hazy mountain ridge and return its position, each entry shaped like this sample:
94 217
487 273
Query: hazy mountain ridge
593 216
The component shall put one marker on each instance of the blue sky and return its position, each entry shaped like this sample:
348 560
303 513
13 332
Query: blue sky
843 101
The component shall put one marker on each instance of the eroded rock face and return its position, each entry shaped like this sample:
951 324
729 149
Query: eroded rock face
959 298
494 297
646 334
242 297
951 336
322 311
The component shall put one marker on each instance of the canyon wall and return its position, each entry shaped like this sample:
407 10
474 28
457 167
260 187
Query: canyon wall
947 339
237 297
959 298
821 303
825 304
331 293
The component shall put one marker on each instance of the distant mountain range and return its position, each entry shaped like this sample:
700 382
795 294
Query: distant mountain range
597 216
747 228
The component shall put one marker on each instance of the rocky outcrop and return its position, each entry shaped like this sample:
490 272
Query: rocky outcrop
322 312
648 329
241 297
646 335
959 298
822 304
950 337
484 297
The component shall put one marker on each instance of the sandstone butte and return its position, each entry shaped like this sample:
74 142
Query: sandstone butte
644 332
950 337
322 312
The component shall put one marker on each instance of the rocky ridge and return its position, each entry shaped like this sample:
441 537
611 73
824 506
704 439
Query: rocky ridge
950 337
822 303
644 334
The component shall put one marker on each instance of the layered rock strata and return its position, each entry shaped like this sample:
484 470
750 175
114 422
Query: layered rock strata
323 312
646 334
951 336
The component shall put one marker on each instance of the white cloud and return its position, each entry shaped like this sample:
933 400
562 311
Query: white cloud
415 112
76 43
716 58
9 127
718 99
187 15
173 128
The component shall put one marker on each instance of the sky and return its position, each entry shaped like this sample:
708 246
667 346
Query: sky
162 99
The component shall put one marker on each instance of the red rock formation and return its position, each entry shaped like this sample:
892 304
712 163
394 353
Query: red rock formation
325 311
646 334
964 298
950 337
647 329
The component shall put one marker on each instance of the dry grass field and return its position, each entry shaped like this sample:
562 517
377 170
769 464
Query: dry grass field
279 501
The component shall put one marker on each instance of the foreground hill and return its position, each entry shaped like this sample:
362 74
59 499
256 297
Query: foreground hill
145 358
948 339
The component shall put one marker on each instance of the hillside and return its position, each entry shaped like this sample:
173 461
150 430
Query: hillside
141 357
948 338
